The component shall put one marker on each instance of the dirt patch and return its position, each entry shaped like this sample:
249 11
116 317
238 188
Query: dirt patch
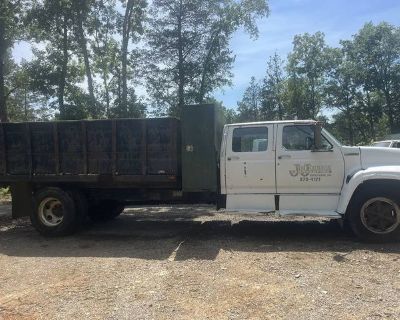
192 263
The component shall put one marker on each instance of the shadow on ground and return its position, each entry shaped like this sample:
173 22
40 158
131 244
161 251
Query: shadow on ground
181 234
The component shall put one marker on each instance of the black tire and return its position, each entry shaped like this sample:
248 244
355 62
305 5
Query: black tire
105 210
63 215
374 216
81 204
345 226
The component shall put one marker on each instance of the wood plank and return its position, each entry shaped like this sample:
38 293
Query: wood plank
114 147
29 149
84 148
152 181
56 148
3 148
144 148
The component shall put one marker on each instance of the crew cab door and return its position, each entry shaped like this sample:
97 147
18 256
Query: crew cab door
307 180
250 167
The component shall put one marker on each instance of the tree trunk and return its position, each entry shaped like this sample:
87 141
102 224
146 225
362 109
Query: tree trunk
25 104
202 90
83 46
127 25
280 111
313 103
3 50
200 96
63 74
105 82
351 129
181 69
390 111
371 119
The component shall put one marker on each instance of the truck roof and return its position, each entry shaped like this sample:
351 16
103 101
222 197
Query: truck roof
273 122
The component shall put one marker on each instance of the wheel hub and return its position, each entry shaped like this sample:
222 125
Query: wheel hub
380 215
51 212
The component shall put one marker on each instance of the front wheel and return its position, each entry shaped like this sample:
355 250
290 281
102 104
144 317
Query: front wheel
375 218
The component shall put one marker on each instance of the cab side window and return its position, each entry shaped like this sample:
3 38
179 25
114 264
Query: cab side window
250 139
301 137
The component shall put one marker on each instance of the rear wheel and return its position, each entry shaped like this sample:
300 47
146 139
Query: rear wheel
105 210
375 218
81 204
54 212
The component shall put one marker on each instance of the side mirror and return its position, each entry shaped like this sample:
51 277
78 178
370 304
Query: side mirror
318 136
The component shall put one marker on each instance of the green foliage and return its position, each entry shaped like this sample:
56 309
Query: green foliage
273 89
307 66
249 108
229 114
188 48
376 52
91 58
11 30
358 83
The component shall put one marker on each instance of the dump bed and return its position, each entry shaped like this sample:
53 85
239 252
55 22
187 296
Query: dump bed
122 151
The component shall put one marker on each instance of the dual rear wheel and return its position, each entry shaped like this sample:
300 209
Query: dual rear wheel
58 212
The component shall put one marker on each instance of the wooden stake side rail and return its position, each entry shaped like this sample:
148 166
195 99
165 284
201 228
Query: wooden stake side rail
120 151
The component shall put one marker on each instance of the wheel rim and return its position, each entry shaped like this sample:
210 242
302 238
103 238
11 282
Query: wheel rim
51 212
380 215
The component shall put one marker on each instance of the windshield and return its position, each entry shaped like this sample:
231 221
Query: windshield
331 137
384 144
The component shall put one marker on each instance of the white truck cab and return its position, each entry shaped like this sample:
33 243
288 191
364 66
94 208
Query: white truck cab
298 168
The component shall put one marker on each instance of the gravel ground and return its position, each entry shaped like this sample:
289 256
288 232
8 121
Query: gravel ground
193 263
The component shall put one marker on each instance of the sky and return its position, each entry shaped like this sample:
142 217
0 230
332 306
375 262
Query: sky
338 19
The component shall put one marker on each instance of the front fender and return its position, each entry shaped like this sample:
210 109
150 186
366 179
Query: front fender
391 173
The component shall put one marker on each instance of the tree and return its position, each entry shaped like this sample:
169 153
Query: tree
132 27
216 58
81 9
307 66
272 92
295 97
341 89
249 106
50 22
106 54
11 13
376 51
189 53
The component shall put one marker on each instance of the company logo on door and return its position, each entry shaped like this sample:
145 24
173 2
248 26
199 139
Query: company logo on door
311 170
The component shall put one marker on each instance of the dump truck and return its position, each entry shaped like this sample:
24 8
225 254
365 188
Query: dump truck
63 173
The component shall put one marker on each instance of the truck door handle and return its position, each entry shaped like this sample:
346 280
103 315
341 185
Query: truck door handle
233 158
286 156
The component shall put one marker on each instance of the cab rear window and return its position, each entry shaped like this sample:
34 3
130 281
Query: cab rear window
250 139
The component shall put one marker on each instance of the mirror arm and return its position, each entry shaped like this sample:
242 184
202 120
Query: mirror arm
317 135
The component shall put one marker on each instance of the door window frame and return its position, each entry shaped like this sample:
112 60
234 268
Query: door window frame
283 148
250 127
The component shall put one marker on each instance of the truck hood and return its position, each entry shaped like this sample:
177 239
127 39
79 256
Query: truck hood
374 157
